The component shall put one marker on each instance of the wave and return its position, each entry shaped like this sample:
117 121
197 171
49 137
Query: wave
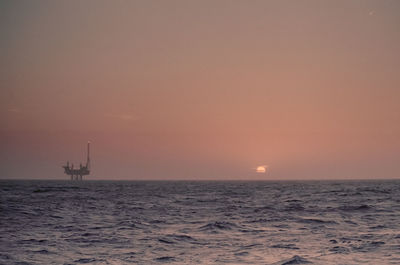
264 209
87 260
58 189
293 260
42 251
294 207
183 237
166 241
165 259
315 221
339 249
219 225
177 238
242 253
349 208
286 246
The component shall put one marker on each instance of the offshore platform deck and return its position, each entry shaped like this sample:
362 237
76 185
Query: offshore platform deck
78 173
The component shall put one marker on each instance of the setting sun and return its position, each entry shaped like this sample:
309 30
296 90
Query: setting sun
261 169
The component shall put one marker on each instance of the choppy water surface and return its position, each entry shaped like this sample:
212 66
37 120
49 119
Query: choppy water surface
63 222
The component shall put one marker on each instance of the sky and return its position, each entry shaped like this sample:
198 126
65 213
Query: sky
201 90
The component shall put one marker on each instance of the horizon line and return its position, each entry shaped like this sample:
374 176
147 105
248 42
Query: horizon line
201 180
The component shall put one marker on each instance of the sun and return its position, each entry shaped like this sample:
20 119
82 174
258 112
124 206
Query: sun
261 169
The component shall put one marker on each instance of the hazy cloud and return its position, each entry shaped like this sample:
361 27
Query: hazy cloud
122 116
14 110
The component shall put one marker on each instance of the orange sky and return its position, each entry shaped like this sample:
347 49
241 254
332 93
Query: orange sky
201 89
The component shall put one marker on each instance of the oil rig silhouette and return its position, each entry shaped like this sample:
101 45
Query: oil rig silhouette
76 174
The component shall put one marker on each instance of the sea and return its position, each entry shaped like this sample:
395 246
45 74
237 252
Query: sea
199 222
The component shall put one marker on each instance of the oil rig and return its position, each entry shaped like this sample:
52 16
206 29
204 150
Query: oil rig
76 174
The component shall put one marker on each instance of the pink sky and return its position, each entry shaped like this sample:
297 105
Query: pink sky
201 89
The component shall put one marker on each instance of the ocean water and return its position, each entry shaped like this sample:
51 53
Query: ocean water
139 222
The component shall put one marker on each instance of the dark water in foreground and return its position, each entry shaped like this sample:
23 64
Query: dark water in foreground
105 222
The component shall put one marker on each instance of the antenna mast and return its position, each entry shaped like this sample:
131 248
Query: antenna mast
88 158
